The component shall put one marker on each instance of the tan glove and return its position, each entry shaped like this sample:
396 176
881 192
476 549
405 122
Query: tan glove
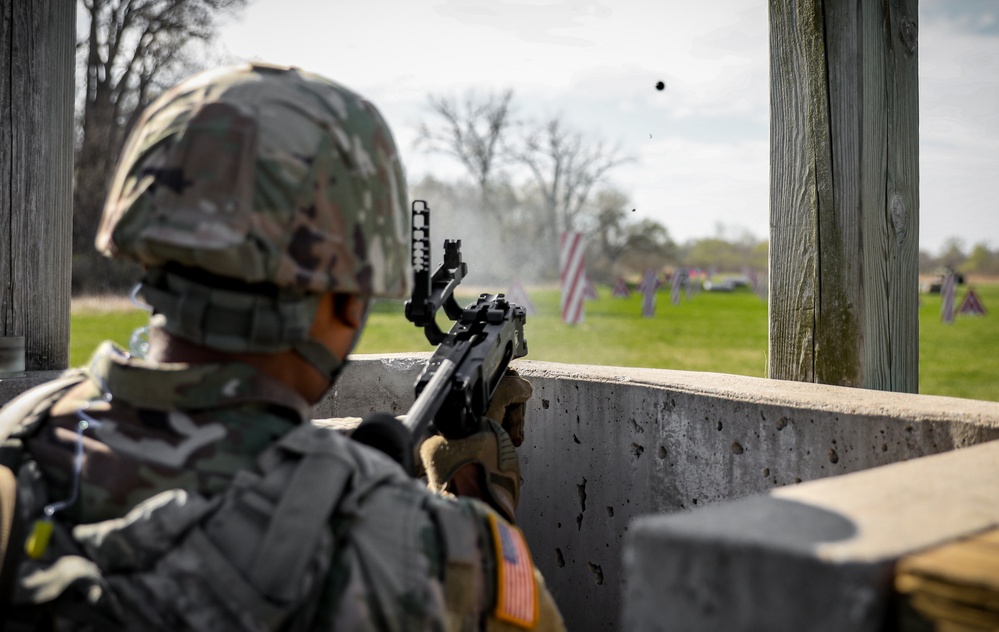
484 465
508 404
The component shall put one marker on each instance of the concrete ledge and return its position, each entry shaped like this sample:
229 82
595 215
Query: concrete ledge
817 556
373 383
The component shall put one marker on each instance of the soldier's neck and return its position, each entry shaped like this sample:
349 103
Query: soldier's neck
165 347
286 367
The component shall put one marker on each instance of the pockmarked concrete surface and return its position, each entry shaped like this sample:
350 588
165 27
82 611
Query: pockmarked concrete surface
817 556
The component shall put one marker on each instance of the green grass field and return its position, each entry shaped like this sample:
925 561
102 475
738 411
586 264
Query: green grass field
716 332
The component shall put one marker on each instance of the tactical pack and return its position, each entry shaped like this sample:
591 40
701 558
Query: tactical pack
325 534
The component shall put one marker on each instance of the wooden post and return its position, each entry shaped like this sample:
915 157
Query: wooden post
37 57
844 193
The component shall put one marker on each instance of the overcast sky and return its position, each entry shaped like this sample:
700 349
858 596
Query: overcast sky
701 145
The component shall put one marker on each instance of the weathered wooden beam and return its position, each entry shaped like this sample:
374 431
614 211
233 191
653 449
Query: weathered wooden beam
844 193
37 52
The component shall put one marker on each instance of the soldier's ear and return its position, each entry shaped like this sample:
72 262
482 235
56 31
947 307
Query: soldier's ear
350 309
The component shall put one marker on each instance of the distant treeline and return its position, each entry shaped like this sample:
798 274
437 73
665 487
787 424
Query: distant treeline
980 260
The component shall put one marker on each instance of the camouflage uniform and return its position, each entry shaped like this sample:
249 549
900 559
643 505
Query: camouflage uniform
399 558
198 496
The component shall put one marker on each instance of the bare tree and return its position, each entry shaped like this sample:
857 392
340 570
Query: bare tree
610 228
133 49
565 166
472 132
616 237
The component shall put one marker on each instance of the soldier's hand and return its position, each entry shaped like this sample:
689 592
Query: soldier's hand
484 465
508 405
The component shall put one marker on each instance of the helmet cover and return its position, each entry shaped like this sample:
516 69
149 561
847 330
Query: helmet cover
267 175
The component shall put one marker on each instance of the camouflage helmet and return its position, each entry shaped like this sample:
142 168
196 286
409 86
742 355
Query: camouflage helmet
263 174
247 192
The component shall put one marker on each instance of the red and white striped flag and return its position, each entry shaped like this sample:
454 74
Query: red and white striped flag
589 291
947 296
518 296
676 284
971 305
648 287
573 275
620 289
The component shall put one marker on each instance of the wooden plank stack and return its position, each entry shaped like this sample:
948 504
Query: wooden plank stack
952 588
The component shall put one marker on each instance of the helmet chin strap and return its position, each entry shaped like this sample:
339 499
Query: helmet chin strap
320 357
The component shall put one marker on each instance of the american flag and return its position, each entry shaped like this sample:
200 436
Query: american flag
648 287
573 277
621 289
678 281
516 594
518 296
947 294
589 291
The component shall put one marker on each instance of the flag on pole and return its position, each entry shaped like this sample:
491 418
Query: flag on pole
676 284
589 290
694 283
648 287
947 295
754 280
971 305
573 277
620 289
763 288
518 296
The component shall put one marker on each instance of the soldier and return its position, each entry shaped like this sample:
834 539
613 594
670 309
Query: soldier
188 490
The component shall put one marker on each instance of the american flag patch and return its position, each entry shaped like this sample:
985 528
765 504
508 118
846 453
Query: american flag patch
516 593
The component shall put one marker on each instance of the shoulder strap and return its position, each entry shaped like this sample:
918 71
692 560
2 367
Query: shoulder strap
303 509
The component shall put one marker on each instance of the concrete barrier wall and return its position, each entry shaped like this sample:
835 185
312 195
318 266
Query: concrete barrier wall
605 445
816 556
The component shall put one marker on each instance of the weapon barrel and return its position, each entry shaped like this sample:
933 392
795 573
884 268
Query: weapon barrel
422 412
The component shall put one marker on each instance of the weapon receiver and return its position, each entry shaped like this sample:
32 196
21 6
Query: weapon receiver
459 381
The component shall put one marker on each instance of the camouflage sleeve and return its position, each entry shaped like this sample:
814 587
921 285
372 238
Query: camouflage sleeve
490 575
